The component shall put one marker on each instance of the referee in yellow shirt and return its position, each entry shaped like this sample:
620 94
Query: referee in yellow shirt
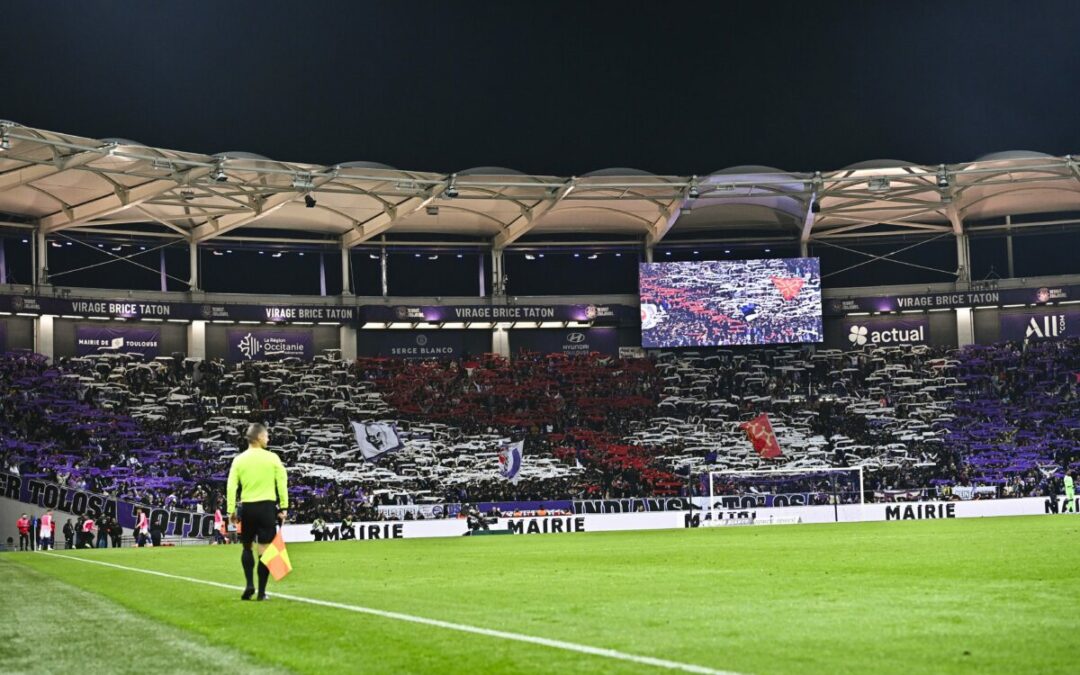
264 495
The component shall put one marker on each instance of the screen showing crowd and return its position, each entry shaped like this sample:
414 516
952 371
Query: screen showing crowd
740 302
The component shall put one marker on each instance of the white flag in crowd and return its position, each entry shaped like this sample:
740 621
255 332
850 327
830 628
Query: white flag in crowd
377 439
510 456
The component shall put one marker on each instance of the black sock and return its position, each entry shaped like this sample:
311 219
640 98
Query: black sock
247 560
264 574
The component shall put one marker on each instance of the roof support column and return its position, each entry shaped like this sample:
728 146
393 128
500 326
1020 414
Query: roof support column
963 258
382 268
346 272
963 246
649 251
41 258
1009 246
162 271
812 208
498 276
193 258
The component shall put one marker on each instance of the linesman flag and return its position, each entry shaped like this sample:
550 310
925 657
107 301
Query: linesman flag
377 439
276 558
759 431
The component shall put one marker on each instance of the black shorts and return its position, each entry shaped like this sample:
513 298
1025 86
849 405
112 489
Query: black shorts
258 522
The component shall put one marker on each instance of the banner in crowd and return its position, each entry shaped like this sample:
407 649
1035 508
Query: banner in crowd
1040 326
510 458
569 341
43 495
134 309
260 344
101 339
1005 296
377 439
433 344
505 313
435 511
759 432
614 521
855 332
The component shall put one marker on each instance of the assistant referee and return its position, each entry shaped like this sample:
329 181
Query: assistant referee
259 476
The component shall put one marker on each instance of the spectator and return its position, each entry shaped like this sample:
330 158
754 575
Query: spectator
87 533
48 530
23 526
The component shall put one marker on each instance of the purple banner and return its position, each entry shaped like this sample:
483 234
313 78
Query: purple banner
123 339
46 495
265 344
433 344
1040 326
1005 296
568 341
497 313
855 332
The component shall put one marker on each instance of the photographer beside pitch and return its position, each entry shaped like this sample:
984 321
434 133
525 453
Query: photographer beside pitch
264 491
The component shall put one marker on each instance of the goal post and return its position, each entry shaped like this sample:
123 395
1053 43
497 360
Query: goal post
730 494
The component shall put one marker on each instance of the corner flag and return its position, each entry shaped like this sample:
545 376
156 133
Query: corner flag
276 558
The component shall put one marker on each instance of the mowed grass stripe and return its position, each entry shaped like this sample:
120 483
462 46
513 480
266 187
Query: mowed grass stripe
435 623
964 596
50 626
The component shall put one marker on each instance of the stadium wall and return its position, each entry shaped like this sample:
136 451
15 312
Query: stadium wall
16 332
173 337
420 344
218 346
931 328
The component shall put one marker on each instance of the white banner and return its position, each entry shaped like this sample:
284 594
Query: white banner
662 520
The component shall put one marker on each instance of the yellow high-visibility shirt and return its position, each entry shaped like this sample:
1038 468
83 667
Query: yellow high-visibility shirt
261 475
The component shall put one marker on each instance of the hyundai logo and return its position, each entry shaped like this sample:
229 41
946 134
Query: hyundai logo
575 338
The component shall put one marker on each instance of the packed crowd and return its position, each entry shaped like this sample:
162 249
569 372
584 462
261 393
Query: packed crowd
704 303
998 420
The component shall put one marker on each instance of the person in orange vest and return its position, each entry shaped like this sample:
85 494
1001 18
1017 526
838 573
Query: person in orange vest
23 525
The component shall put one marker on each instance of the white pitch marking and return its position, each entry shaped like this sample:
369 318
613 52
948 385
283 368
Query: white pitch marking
461 627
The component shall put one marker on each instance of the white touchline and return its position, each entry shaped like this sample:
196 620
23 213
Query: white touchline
461 627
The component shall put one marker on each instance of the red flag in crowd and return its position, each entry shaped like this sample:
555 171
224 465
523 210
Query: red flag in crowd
788 287
759 431
1077 373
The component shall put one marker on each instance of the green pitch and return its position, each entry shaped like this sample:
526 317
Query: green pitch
978 596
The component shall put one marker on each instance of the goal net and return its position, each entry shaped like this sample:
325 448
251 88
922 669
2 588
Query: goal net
732 496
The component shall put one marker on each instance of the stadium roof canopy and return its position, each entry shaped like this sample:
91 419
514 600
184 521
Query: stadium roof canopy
56 182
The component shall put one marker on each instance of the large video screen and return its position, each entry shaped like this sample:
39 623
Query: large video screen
739 302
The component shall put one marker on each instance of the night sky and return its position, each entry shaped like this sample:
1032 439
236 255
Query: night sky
554 87
551 88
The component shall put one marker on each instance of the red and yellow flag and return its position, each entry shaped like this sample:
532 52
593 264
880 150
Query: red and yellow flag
788 287
760 433
276 558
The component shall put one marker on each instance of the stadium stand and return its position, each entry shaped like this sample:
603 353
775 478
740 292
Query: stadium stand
985 421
